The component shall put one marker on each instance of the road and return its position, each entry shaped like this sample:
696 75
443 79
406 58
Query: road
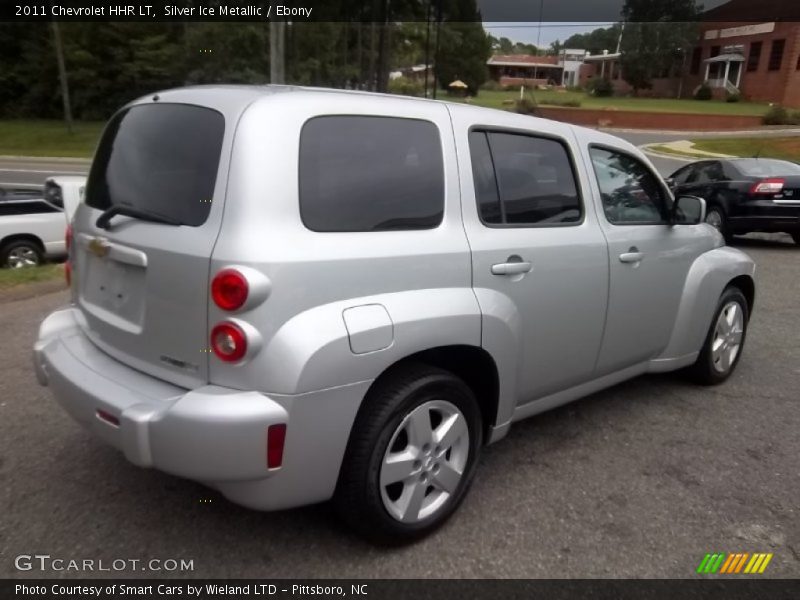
640 480
31 172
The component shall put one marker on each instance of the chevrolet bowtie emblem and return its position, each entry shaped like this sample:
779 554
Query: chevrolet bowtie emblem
99 247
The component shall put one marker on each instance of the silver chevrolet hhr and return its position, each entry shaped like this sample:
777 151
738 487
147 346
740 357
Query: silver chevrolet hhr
293 295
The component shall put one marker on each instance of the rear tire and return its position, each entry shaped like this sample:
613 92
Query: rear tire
411 457
21 253
717 219
725 339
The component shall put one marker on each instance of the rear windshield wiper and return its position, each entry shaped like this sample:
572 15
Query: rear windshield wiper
104 220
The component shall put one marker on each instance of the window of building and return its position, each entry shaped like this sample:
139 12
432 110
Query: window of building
776 55
697 55
523 180
754 57
797 67
714 51
631 192
363 173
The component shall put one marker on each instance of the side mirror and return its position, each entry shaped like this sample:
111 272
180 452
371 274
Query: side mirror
688 210
670 182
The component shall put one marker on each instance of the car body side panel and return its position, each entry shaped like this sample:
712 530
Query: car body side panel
708 276
312 350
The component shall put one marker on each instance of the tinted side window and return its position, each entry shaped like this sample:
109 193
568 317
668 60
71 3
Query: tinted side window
483 176
682 176
370 174
709 173
26 208
535 180
631 193
162 158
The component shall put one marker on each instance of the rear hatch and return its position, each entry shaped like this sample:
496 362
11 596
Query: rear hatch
143 239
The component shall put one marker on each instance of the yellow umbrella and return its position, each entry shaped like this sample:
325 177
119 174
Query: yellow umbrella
458 84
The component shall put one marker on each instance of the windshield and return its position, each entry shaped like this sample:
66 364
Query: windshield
159 158
766 167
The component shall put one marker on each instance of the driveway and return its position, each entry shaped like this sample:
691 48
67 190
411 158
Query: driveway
27 172
641 480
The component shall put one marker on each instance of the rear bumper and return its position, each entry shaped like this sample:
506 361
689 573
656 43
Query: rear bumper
212 434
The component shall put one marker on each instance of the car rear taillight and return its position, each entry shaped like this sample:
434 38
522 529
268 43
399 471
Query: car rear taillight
276 437
229 289
68 237
772 185
229 342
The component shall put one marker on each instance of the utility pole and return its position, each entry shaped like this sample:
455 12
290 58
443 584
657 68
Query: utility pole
62 76
277 54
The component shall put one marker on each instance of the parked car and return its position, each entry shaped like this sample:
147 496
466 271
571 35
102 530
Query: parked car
31 228
745 194
393 283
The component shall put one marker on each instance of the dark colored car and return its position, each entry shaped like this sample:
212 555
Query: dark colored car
744 194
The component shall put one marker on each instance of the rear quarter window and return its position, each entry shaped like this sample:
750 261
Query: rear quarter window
162 158
364 173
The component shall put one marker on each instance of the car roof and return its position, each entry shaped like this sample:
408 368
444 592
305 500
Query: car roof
239 96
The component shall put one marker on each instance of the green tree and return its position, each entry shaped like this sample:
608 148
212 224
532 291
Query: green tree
656 39
464 47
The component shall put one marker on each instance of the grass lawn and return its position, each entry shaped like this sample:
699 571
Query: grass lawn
769 147
494 99
48 138
13 277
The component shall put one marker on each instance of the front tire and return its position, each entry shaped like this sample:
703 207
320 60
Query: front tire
716 218
725 340
412 455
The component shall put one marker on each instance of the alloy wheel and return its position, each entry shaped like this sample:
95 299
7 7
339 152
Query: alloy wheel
22 256
728 333
424 461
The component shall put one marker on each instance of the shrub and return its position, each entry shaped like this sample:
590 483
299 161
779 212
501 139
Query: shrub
525 106
493 86
732 97
405 87
601 87
703 93
777 115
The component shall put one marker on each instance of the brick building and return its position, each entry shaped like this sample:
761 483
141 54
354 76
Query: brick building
760 60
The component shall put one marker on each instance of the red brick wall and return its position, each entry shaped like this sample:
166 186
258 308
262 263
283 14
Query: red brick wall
649 120
762 85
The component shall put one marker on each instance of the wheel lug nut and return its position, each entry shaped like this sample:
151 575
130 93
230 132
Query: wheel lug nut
438 450
417 464
426 448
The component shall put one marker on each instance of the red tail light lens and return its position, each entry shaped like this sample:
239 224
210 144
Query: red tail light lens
772 185
228 342
276 437
68 273
68 237
229 289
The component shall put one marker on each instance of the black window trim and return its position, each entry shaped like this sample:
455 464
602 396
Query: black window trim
537 134
379 116
658 177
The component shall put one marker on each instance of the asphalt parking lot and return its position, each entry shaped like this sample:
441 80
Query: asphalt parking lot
640 480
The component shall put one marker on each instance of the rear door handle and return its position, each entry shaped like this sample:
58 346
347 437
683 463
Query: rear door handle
631 257
511 268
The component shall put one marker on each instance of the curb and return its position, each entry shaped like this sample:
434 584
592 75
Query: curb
47 159
740 132
647 148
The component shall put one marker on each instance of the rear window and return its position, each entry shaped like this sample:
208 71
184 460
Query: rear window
36 207
764 167
370 174
162 158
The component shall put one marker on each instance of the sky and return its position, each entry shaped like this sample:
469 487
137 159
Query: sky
540 34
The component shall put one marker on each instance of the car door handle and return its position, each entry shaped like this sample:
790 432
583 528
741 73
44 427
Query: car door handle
511 268
631 257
